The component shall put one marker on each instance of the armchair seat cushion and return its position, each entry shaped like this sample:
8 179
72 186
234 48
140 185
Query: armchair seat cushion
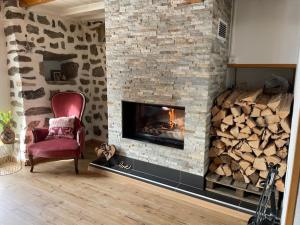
55 148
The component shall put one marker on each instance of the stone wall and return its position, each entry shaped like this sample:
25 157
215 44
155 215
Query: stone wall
169 54
80 43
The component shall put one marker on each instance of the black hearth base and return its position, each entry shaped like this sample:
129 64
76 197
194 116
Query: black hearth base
172 179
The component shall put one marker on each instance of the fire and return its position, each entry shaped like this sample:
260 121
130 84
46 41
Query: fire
172 118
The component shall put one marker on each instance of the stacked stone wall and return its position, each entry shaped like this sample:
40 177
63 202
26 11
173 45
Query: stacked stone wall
31 38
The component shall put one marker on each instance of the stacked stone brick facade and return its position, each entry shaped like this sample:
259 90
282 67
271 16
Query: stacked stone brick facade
83 43
169 54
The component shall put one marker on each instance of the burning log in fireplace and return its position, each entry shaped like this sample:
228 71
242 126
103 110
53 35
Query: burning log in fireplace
250 130
159 124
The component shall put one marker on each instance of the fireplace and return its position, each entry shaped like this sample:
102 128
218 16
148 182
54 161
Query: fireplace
158 124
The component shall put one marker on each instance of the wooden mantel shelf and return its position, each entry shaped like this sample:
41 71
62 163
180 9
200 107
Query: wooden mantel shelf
282 66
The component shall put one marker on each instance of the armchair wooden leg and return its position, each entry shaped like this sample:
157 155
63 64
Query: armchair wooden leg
76 165
31 163
82 156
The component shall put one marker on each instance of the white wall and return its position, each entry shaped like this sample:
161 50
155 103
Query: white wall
266 31
4 79
292 147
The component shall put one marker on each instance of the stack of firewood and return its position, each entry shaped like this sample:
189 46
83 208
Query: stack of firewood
250 130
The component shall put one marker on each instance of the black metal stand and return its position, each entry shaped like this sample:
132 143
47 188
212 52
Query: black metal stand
263 216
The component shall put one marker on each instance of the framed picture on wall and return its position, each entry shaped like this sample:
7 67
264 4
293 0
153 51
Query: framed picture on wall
56 75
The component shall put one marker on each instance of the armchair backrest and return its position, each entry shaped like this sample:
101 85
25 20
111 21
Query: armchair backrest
68 104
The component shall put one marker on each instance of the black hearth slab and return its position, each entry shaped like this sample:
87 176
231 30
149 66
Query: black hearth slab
164 172
248 205
180 188
192 180
156 170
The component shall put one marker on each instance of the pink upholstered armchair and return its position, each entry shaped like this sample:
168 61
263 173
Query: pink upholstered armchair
64 104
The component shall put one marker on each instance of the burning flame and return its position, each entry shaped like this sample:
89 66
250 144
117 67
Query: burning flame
172 118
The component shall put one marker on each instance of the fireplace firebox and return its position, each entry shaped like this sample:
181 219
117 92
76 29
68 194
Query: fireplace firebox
158 124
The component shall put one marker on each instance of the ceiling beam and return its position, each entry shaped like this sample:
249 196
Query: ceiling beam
28 3
92 17
83 9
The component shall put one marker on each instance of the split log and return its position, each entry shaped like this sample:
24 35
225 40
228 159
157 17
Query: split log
273 159
215 110
248 157
218 144
263 174
284 107
260 121
279 185
240 125
274 102
223 127
212 167
242 136
282 168
235 166
270 150
246 109
226 141
280 143
227 170
258 131
254 144
240 119
224 134
266 112
238 176
254 177
245 148
219 116
257 152
229 101
253 137
262 102
220 171
226 159
235 131
260 163
235 111
244 164
228 120
252 95
282 153
272 119
255 112
250 170
246 130
233 155
217 161
235 142
273 127
285 124
250 123
222 97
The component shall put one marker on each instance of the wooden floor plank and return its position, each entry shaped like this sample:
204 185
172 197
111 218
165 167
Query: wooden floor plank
54 195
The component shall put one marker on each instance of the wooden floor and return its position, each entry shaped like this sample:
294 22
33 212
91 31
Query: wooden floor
55 195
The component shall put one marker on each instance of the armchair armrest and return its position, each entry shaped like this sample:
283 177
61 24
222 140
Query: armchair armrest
39 134
81 138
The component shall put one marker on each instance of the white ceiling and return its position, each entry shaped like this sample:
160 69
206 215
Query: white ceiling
83 10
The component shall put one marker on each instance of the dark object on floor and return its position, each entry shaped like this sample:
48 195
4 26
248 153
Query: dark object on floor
64 104
262 216
105 152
